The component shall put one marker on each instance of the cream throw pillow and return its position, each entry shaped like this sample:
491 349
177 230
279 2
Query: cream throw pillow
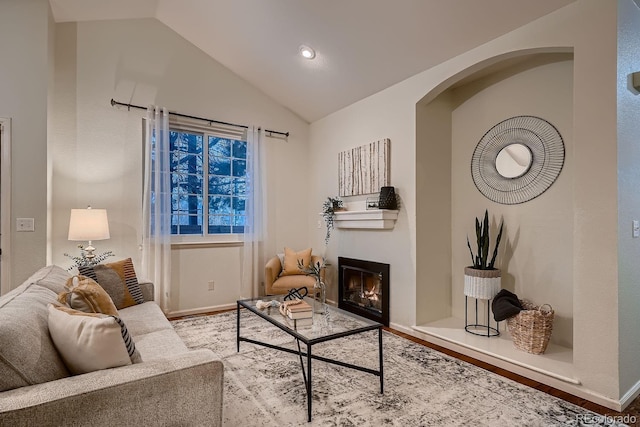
87 341
84 294
291 258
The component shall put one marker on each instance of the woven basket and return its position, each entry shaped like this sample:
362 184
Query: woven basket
531 328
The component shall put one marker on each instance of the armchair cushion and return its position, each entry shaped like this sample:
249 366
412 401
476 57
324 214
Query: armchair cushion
285 283
291 258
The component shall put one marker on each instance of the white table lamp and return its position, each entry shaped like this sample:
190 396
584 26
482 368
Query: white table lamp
88 224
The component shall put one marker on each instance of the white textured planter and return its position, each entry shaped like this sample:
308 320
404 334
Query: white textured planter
481 284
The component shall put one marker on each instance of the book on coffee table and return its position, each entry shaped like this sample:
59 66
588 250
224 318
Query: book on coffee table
300 310
299 323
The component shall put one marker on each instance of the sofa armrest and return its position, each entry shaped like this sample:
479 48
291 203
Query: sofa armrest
271 272
147 290
185 389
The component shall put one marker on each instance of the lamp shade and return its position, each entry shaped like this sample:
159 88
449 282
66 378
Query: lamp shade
88 224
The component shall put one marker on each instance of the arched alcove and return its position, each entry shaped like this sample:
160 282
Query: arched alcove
536 250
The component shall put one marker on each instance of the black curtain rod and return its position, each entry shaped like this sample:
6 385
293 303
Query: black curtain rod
130 106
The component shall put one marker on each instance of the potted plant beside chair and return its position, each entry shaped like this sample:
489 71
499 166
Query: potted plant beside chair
319 289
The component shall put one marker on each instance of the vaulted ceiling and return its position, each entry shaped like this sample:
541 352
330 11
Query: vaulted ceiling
362 46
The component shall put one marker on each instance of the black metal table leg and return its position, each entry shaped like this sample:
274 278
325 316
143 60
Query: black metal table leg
381 362
238 329
309 396
304 374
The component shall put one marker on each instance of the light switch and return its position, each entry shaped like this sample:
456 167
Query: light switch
25 224
636 228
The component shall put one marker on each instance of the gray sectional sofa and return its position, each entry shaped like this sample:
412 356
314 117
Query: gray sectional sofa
173 386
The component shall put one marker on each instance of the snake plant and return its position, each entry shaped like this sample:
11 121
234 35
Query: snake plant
482 238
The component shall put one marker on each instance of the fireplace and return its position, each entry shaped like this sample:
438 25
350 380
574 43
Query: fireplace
363 288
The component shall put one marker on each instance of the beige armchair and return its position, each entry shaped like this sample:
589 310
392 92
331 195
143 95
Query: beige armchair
274 284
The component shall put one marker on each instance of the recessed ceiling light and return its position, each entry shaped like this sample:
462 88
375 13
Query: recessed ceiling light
307 52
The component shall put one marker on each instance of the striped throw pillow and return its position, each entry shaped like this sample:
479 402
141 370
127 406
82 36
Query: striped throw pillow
128 341
119 280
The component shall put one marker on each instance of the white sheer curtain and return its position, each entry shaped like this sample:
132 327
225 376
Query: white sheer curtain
156 206
255 209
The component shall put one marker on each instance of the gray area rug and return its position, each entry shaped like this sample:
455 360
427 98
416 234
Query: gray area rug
422 387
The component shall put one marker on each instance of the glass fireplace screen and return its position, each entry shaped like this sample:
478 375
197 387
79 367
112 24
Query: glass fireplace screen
364 288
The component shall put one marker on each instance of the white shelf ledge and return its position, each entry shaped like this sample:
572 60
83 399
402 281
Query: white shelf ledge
373 219
556 362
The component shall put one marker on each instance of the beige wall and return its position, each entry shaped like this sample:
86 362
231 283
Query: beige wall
537 242
381 116
96 150
592 258
433 208
24 74
595 272
629 196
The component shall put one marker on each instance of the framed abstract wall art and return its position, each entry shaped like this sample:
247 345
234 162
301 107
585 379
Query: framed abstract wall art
364 169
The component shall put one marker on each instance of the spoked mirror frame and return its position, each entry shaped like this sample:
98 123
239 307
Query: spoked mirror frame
517 160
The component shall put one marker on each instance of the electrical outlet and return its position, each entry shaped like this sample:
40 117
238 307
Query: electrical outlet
319 224
25 224
636 228
211 285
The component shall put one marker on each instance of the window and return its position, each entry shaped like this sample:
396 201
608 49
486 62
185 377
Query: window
208 183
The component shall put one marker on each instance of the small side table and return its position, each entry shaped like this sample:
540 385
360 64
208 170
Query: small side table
481 285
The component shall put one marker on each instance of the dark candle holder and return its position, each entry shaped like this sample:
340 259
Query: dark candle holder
388 198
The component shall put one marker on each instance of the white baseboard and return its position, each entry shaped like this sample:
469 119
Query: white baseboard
630 395
200 310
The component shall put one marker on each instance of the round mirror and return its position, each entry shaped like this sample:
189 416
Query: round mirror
514 160
517 160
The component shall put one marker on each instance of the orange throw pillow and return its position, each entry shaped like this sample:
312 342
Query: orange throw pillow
84 294
291 258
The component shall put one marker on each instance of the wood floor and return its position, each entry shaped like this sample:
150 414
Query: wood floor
633 410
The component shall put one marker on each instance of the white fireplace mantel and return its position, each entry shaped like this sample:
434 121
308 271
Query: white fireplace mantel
373 219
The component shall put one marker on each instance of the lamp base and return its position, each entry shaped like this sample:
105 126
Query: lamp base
88 251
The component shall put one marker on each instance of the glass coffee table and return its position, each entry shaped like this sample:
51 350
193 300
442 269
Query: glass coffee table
332 324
